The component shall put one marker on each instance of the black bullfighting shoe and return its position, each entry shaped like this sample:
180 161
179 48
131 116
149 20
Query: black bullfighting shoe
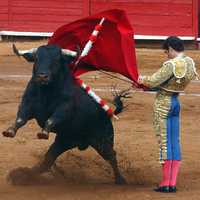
43 135
164 189
172 189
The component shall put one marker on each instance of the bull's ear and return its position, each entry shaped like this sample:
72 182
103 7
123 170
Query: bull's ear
29 57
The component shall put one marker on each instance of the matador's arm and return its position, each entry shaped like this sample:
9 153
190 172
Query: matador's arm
159 77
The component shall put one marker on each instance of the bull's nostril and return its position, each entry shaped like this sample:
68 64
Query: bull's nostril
43 75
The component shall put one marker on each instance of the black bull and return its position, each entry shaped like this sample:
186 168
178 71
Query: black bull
59 105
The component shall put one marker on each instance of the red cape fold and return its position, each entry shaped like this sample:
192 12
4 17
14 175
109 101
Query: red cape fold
114 49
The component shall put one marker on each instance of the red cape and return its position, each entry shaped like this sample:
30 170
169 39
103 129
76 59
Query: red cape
114 49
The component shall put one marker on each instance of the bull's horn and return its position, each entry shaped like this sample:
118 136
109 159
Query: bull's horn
69 52
22 52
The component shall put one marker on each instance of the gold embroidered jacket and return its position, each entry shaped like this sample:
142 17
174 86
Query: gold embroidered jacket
173 76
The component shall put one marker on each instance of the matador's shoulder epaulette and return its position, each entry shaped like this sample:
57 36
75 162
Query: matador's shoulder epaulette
179 67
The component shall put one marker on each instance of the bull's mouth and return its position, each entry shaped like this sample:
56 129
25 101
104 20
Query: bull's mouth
43 80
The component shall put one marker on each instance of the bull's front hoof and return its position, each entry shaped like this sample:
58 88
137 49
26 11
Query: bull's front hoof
43 135
10 132
120 180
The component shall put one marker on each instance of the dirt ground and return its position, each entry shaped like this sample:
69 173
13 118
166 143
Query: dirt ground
84 174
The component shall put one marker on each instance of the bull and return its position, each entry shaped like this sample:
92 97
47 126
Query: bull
60 105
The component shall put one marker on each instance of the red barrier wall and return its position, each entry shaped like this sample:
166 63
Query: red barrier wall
148 17
40 15
156 17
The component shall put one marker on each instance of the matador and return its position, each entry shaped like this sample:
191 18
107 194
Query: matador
170 80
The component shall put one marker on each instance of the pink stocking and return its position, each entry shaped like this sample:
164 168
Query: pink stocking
166 173
174 173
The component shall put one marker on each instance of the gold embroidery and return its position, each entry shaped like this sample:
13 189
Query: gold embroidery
166 72
180 69
161 109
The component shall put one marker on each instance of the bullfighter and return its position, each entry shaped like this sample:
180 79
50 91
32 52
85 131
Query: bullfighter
170 80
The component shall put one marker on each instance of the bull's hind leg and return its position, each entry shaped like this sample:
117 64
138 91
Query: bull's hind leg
108 153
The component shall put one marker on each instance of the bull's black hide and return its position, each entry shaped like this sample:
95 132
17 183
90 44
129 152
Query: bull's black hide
60 105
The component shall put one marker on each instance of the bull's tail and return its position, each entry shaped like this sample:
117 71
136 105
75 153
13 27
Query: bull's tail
117 101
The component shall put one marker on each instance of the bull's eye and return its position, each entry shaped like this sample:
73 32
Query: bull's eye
35 64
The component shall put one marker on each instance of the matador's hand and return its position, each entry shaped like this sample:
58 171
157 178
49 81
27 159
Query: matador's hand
140 79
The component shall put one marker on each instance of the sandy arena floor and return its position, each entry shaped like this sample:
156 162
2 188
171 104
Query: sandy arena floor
85 175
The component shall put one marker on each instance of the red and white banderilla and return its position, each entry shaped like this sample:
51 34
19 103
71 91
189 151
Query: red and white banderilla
88 46
92 40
